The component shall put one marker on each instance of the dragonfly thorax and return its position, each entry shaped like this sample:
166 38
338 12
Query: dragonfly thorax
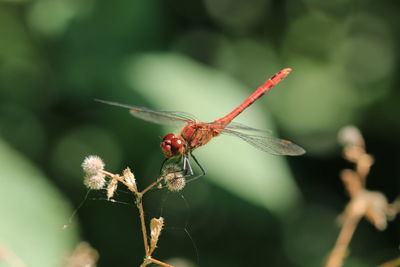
172 146
197 134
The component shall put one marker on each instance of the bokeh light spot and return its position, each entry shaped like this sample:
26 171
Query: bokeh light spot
300 39
237 15
368 53
314 99
51 17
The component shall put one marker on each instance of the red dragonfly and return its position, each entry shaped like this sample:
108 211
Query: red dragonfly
196 134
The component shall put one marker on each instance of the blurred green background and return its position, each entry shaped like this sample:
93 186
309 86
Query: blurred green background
202 57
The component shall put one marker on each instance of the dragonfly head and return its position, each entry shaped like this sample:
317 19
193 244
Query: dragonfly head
172 146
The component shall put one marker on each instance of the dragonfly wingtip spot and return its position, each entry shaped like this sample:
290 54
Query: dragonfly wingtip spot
286 70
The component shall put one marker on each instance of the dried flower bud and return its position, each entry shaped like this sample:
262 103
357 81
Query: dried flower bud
96 181
173 177
129 177
156 226
84 255
393 209
376 209
175 183
351 136
92 165
112 186
170 168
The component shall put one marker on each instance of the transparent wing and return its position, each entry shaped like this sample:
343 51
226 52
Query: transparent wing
155 116
243 127
269 144
161 117
237 126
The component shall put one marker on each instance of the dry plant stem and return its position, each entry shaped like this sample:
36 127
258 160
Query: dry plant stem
392 263
152 250
151 260
339 252
139 203
160 262
143 223
114 176
141 213
152 185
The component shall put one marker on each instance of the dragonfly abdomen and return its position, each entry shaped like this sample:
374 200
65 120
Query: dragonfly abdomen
271 82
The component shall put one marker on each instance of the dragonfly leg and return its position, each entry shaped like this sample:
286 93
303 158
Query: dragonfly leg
203 171
187 168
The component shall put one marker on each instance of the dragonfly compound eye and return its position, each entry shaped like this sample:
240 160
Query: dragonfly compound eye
176 144
172 146
169 136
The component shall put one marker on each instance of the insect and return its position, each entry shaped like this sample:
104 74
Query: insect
195 134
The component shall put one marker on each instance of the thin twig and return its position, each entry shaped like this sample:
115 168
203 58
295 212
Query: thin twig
143 223
152 185
139 203
160 262
152 250
339 252
392 263
116 176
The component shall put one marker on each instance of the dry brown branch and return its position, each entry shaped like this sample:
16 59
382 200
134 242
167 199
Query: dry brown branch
392 263
339 252
150 260
363 203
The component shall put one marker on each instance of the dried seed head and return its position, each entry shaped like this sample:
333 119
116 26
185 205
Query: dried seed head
175 183
112 186
129 177
351 136
92 165
83 255
170 168
173 178
96 181
156 226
